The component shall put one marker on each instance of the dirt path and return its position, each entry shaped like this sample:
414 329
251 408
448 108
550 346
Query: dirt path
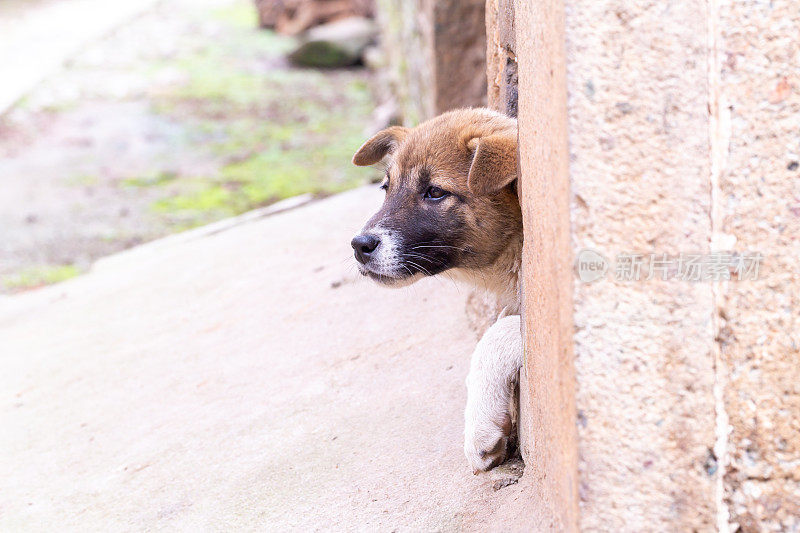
39 35
185 115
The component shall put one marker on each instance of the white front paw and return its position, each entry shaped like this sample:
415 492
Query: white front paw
491 400
486 440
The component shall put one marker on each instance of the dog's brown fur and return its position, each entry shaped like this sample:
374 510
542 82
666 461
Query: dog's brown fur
451 205
471 154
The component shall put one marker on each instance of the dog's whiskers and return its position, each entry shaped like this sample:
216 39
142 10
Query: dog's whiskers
436 262
434 244
424 257
415 265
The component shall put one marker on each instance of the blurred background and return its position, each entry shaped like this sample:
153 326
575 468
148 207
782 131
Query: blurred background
122 124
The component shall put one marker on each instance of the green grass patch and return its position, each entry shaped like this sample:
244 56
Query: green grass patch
276 131
212 197
152 180
39 276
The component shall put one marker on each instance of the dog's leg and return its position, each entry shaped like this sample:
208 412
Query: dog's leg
492 377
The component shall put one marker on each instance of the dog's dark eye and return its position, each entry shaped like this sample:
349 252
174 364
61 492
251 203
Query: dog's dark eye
435 193
385 185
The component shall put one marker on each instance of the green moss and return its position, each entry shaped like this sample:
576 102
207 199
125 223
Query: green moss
39 276
213 197
321 54
276 131
151 180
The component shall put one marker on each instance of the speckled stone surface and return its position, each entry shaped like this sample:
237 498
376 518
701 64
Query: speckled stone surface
684 123
638 116
758 47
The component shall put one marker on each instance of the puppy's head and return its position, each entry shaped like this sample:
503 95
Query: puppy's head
451 198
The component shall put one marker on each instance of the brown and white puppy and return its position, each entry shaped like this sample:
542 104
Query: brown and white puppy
451 206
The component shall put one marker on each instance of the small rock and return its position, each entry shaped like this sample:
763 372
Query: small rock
507 473
337 44
505 482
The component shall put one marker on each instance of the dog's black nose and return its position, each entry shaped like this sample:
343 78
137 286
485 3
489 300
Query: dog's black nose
364 245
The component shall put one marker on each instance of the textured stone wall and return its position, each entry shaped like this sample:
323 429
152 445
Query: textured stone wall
684 130
407 44
756 79
435 53
501 58
638 120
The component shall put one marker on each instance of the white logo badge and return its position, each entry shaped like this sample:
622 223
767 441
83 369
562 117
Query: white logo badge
591 266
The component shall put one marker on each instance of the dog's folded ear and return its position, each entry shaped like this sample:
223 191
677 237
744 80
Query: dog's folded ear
494 163
382 143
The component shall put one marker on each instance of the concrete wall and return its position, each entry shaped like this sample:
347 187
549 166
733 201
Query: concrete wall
435 53
684 133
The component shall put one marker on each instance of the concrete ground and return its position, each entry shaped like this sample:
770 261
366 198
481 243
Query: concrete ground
242 377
